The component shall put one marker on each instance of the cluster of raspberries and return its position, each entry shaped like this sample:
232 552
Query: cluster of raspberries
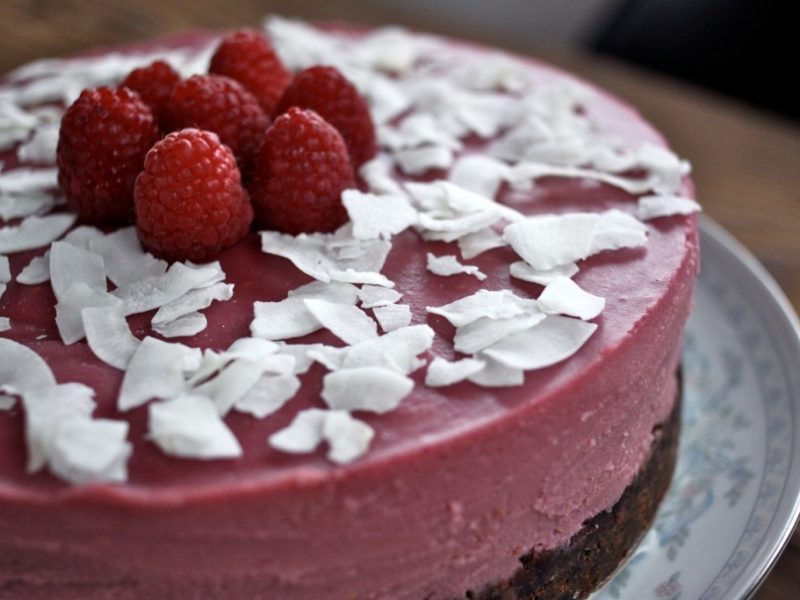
247 141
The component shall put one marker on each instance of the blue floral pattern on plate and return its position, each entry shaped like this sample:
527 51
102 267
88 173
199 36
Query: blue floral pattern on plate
733 501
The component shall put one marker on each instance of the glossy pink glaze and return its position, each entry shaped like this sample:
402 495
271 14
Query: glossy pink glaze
458 482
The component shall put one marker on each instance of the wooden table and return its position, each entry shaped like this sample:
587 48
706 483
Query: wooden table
746 164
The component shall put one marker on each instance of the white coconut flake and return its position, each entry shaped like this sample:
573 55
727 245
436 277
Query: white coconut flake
27 181
34 232
349 323
562 296
376 216
125 259
654 207
21 369
615 229
70 264
526 171
499 304
443 373
334 291
5 325
522 270
473 244
5 269
35 272
416 161
231 384
448 265
303 434
193 301
41 148
190 427
156 370
393 316
484 332
397 350
184 326
373 389
288 318
479 173
268 395
550 241
156 291
555 339
77 297
85 451
377 174
347 437
496 374
108 335
372 296
301 355
45 408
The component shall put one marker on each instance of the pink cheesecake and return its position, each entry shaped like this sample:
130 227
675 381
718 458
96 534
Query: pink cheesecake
459 488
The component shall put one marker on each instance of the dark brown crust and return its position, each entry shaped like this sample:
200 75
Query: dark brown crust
597 550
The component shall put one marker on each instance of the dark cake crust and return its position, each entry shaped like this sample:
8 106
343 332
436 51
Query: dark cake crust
593 554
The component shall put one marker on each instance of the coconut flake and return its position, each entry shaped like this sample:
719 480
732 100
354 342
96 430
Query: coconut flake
45 408
268 395
555 339
479 173
34 232
303 434
377 174
397 350
70 264
288 318
654 207
5 269
526 171
156 370
35 272
87 451
156 291
473 244
443 373
615 229
334 291
193 301
231 384
77 297
499 304
416 161
125 259
484 332
448 265
21 369
5 325
184 326
393 316
375 216
374 389
349 323
190 427
565 297
372 296
301 355
41 148
347 437
108 334
496 374
522 270
550 241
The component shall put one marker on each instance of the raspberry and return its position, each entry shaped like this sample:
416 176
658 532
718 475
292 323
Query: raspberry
101 146
221 105
247 57
301 170
190 203
154 84
327 92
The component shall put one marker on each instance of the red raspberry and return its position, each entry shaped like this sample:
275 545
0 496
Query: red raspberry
190 203
301 170
221 105
101 146
154 84
327 92
247 57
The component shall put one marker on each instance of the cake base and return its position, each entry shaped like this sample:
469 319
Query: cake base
594 553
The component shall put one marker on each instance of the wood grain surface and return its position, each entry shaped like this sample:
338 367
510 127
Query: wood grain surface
746 164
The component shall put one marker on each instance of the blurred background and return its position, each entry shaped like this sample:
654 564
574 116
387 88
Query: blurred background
715 76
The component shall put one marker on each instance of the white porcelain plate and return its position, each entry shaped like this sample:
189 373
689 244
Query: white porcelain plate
733 503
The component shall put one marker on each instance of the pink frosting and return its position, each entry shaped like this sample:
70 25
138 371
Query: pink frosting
458 483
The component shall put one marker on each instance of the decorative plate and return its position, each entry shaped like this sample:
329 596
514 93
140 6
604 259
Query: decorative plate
735 497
